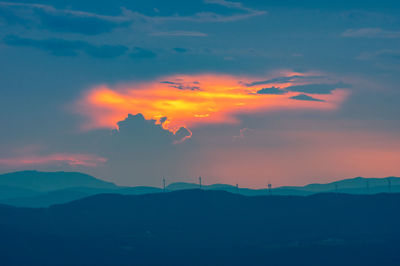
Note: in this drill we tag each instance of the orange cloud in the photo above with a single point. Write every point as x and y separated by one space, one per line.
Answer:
193 100
67 158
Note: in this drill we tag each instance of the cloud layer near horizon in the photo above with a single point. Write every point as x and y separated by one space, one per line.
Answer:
70 159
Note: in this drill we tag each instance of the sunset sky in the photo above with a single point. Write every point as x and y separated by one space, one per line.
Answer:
250 92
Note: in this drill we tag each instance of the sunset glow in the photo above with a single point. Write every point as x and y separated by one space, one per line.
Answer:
192 100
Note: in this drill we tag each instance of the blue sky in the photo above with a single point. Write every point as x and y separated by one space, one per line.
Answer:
328 72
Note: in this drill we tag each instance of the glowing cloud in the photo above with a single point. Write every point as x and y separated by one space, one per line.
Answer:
66 158
193 100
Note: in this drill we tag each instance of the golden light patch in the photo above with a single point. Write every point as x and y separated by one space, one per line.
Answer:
193 100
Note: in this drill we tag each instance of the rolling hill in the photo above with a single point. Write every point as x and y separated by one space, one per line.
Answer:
47 181
43 189
199 227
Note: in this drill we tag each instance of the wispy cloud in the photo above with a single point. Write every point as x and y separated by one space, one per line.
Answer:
371 33
316 88
204 17
76 21
385 54
235 5
179 33
62 20
200 17
180 50
63 47
70 159
291 78
243 133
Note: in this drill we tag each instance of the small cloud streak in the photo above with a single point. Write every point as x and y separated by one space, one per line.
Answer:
217 99
243 133
70 159
305 97
236 5
61 47
180 50
371 33
179 33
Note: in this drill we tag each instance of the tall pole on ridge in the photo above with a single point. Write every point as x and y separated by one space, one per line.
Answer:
163 184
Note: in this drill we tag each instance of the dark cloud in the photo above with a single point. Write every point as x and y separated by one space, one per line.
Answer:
182 134
193 86
304 97
316 88
163 119
60 20
63 47
282 80
180 50
272 90
274 80
136 129
141 150
141 53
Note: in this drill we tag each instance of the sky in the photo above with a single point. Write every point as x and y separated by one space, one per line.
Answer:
248 93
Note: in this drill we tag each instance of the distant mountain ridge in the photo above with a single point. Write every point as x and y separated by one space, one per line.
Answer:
46 181
42 189
357 185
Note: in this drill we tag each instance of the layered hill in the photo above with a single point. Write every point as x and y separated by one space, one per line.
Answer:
46 181
198 227
42 189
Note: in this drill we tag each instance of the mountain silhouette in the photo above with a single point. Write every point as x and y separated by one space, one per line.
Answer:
13 192
45 199
43 189
205 227
357 185
46 181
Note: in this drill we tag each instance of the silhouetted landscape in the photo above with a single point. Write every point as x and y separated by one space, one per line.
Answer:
201 132
197 227
43 189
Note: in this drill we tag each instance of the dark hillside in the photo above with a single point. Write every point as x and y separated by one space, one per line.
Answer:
198 227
